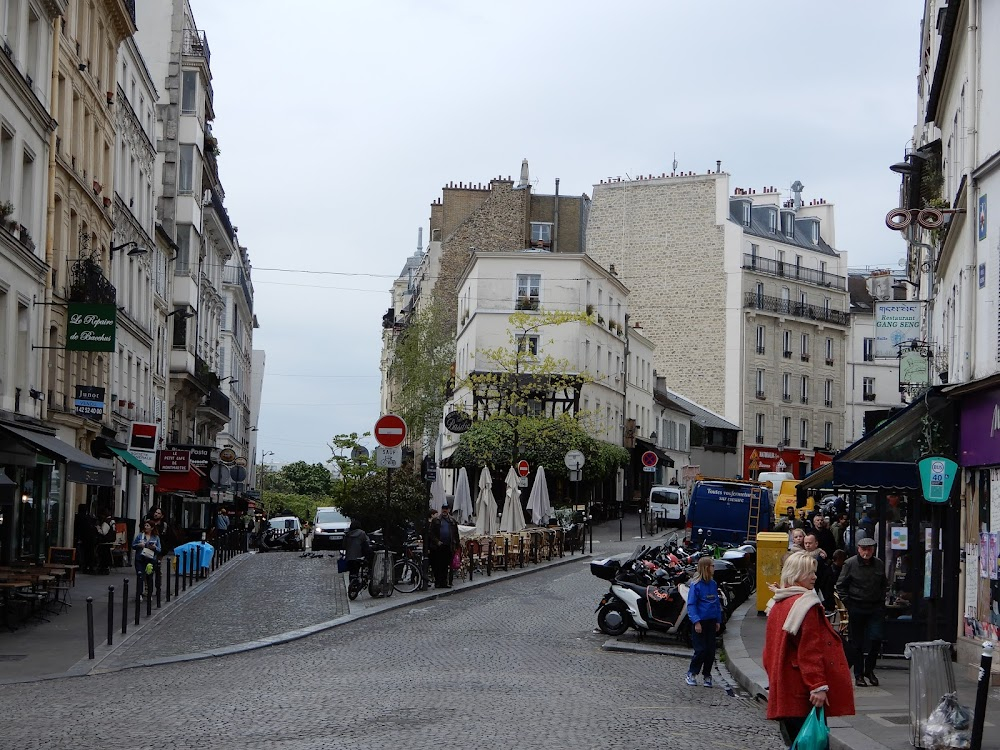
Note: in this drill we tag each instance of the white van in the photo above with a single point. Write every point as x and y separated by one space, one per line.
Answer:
667 505
773 479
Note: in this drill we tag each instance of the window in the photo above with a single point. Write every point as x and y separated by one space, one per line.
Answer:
786 387
761 339
868 389
829 351
789 225
804 347
760 384
760 428
798 265
185 174
189 92
528 290
786 430
6 166
804 433
828 393
746 213
869 350
828 435
753 255
805 389
803 299
786 302
682 437
786 344
760 295
541 234
772 220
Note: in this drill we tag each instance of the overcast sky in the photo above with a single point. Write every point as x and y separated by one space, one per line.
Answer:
339 122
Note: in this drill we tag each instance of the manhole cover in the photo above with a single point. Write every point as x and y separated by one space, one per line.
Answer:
13 657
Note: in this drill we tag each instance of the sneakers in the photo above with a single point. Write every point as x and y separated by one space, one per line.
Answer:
872 679
690 680
860 682
707 681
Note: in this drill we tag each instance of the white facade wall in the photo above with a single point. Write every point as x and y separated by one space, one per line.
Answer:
673 436
257 359
884 373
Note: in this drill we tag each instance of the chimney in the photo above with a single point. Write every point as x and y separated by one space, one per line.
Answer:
523 181
555 220
718 166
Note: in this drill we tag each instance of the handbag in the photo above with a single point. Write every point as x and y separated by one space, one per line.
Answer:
342 566
147 552
456 560
814 734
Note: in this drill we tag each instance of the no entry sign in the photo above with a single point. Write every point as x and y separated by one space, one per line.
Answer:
390 431
522 468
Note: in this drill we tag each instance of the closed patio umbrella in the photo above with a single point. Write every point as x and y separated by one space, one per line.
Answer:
512 518
486 506
437 493
538 501
463 498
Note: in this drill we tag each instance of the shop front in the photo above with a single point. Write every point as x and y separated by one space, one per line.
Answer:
757 459
979 457
918 541
39 465
184 490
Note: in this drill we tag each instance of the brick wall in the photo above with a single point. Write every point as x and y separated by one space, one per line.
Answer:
670 256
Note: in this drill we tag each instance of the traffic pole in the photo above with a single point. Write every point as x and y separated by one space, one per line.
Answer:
982 693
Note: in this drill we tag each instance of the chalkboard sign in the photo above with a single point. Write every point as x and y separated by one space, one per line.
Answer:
62 555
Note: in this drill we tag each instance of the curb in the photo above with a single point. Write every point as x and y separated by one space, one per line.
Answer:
299 633
643 648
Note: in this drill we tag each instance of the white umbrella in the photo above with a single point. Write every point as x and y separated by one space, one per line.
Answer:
538 501
463 497
486 506
512 518
437 493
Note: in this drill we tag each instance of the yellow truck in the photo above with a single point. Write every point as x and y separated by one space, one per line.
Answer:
786 498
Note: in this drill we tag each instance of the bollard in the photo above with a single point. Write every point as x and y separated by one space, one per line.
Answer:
520 552
182 569
138 597
169 566
124 606
148 585
489 557
90 627
506 553
982 693
111 615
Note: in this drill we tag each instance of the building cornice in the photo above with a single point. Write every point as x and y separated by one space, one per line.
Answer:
54 8
38 110
121 18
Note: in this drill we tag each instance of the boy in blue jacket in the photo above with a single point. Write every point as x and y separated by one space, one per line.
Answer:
705 614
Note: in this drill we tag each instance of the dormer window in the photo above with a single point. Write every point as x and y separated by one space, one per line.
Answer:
815 233
789 224
541 234
772 220
746 213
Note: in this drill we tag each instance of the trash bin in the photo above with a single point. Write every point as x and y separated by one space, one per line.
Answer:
771 547
931 676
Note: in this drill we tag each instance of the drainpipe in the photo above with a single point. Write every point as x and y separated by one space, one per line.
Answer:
967 365
555 227
50 236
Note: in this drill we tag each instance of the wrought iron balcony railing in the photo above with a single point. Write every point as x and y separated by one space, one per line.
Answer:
89 284
784 270
196 43
799 310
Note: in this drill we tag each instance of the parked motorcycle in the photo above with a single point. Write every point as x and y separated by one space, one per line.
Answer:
279 539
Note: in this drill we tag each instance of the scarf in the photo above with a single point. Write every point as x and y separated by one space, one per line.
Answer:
808 598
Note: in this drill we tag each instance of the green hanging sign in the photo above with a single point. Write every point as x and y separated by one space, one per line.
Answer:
91 327
937 474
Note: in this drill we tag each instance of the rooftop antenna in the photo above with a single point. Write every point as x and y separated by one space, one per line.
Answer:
674 166
797 188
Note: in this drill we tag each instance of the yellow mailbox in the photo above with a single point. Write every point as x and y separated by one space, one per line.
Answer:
771 547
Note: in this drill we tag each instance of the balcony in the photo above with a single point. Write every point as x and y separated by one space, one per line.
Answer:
782 270
89 284
196 43
759 439
803 443
868 396
805 399
218 402
786 397
760 349
828 403
236 275
805 357
761 395
786 354
222 213
829 362
797 309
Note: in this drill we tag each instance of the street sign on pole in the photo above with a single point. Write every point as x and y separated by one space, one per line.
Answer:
574 475
574 460
522 481
388 458
359 452
522 468
649 459
390 431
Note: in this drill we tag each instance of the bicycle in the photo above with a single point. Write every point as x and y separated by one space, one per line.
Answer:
406 572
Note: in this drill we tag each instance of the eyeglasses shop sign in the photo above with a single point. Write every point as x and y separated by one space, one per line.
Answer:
91 328
896 323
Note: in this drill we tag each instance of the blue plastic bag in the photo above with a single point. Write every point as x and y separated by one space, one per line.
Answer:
814 734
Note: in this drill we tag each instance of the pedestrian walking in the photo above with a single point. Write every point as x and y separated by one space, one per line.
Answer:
705 613
147 547
862 587
802 656
825 580
825 537
443 538
356 548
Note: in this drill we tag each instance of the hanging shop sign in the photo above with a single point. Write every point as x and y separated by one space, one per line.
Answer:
91 327
173 461
89 402
142 441
201 455
937 474
896 323
457 421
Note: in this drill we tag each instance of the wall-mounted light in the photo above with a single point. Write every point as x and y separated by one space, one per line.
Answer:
35 394
81 66
136 248
181 314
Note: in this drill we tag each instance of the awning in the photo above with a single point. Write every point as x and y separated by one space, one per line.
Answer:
5 481
82 467
148 475
191 481
662 458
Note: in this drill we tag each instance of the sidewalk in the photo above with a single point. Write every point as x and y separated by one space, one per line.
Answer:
882 719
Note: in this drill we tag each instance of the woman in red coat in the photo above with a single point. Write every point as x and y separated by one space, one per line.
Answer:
803 655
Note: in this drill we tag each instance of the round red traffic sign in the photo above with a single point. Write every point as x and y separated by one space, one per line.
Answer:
649 458
390 431
522 468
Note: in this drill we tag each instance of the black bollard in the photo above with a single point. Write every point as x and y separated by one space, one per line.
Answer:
111 615
125 606
506 554
168 579
182 571
148 585
90 627
982 693
138 597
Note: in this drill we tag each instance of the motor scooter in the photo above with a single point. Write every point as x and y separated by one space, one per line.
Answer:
278 539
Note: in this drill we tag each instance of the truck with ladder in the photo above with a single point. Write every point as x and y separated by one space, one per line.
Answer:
728 510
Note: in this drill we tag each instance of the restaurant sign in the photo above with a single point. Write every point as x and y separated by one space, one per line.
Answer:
89 402
91 327
173 460
201 455
979 429
896 323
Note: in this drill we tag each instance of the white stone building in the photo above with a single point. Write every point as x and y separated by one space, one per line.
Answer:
236 360
257 359
745 300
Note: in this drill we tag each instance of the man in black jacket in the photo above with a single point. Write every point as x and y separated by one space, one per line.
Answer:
443 543
862 586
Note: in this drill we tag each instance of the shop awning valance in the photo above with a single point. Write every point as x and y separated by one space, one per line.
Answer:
83 467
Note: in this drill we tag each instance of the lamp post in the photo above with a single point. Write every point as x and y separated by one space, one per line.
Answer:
263 478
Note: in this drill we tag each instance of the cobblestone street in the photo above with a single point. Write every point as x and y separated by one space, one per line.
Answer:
512 665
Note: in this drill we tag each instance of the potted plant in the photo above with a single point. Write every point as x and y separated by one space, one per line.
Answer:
612 324
590 311
98 187
107 202
600 319
26 238
621 331
6 211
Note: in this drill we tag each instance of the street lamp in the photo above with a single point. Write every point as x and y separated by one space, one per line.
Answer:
136 248
263 477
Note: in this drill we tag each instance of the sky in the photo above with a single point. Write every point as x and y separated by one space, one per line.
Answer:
339 122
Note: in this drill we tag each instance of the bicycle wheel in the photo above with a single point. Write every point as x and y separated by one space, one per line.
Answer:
405 577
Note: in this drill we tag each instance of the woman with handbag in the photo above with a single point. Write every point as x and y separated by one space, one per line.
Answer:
803 655
147 548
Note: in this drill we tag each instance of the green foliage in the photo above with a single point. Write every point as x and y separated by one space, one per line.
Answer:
304 479
420 369
363 500
303 506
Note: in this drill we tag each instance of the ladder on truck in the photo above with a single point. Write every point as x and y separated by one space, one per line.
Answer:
753 516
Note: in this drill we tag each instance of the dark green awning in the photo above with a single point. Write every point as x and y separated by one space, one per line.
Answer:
148 475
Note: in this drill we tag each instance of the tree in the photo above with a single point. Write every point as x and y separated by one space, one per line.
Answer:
304 479
421 368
